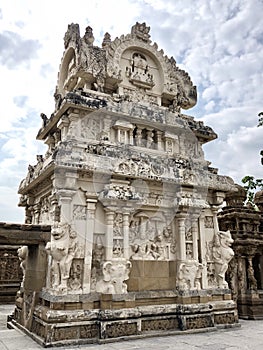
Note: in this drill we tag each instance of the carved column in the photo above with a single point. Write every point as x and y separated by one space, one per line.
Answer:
65 199
126 235
55 212
138 137
195 239
215 211
203 249
182 144
109 233
181 237
36 209
63 126
149 138
73 123
159 140
118 135
241 277
89 238
130 136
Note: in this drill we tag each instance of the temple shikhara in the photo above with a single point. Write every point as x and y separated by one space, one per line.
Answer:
130 201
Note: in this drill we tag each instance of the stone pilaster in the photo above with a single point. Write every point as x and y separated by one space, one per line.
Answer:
36 210
63 127
89 238
215 211
138 137
65 201
159 140
126 235
203 249
109 233
195 239
73 124
181 238
149 138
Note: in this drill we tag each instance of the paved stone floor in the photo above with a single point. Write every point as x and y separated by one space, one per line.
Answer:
248 336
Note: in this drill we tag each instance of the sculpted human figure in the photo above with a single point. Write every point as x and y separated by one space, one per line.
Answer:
222 253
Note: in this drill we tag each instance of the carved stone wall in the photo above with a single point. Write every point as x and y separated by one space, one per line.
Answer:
10 273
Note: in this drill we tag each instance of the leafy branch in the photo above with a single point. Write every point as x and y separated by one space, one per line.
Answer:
260 119
251 186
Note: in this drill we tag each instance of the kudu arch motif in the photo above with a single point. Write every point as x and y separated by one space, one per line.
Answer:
124 184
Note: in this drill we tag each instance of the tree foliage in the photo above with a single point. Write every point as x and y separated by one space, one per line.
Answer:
252 185
260 119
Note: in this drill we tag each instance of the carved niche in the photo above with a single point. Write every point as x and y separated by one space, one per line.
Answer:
151 238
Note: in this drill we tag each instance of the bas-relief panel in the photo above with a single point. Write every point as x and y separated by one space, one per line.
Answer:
151 238
140 70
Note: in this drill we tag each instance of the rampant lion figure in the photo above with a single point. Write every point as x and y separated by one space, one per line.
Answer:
222 254
62 249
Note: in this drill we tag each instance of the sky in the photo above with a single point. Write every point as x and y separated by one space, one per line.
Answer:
218 42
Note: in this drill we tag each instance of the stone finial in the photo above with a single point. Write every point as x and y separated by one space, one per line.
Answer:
141 31
89 37
106 40
72 34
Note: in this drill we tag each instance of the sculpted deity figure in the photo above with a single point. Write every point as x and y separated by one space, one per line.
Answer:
222 253
62 249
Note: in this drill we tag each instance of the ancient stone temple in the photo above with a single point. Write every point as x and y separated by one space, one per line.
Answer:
135 247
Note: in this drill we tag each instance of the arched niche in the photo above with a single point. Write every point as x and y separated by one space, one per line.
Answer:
141 69
66 71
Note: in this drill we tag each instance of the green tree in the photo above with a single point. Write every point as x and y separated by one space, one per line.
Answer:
252 185
260 119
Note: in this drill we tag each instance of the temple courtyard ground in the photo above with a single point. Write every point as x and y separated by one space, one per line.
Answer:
248 336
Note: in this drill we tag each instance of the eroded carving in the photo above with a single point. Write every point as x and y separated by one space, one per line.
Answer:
189 275
62 249
22 253
222 253
114 275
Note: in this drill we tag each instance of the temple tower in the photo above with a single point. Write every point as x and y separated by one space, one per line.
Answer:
131 200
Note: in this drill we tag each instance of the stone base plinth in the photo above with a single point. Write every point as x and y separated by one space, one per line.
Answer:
55 322
250 306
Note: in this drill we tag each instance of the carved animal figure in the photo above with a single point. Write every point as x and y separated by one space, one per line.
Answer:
114 275
62 249
222 254
188 276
